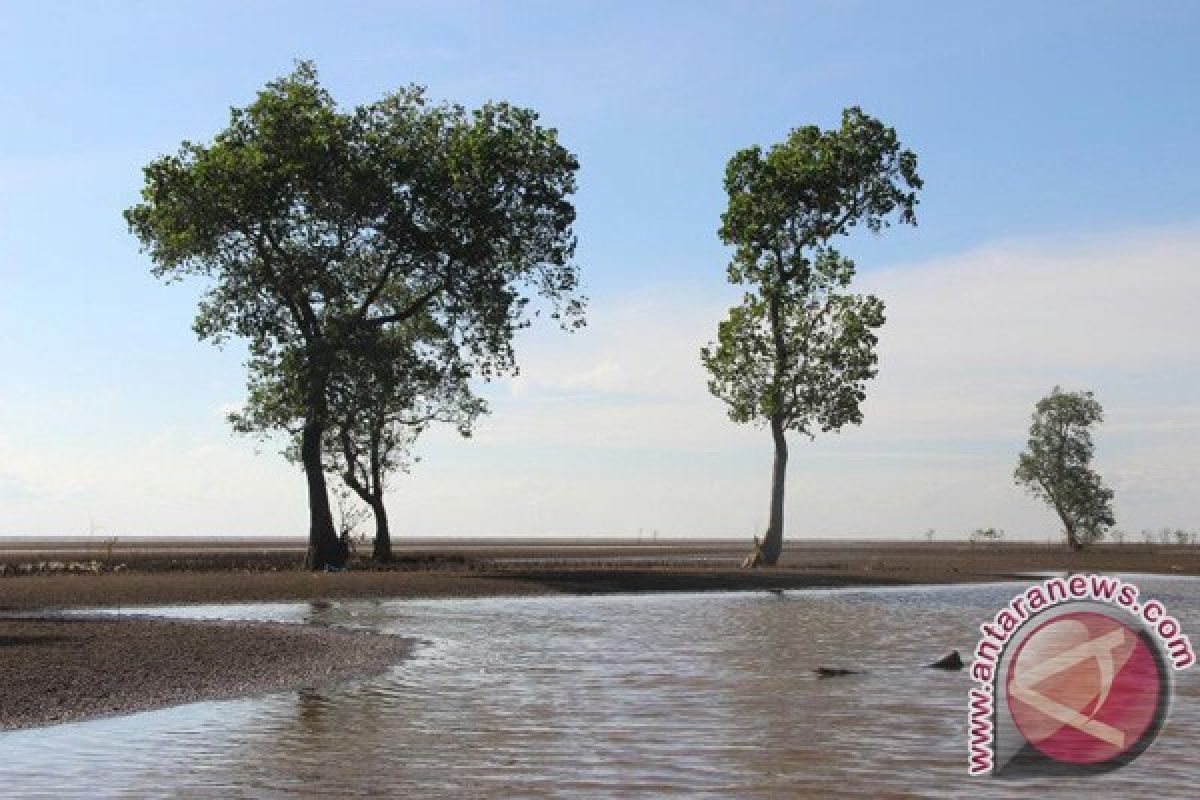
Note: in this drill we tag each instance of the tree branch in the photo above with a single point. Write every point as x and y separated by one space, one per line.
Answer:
299 306
377 289
412 309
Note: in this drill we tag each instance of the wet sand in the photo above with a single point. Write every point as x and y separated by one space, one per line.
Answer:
54 669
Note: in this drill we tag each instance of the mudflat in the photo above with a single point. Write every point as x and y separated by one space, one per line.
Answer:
63 669
161 572
55 668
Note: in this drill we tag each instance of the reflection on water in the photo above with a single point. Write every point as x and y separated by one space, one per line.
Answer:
696 695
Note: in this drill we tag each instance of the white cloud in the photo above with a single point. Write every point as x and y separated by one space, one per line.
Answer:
200 482
1121 302
611 430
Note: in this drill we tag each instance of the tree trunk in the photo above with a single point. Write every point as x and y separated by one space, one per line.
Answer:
1073 540
382 552
324 547
767 552
771 547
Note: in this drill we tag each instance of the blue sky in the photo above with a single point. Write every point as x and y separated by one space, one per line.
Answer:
1057 142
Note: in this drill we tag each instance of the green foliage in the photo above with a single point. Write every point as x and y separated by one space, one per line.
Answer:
382 394
1056 465
799 348
314 224
373 258
802 354
808 189
386 396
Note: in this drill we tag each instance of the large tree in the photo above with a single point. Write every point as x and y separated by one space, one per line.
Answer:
317 227
1056 466
797 351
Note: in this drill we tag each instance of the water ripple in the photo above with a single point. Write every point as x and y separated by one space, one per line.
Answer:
695 695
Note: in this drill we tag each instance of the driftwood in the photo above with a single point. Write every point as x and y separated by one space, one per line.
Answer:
755 558
834 672
950 662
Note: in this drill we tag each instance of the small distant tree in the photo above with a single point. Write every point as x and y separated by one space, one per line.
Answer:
986 535
350 514
797 352
1056 465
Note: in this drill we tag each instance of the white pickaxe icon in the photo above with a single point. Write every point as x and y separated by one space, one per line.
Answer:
1101 649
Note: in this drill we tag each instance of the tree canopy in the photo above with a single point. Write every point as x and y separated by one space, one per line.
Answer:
798 348
811 376
320 230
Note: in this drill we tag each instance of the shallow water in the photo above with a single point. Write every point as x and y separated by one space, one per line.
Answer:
668 695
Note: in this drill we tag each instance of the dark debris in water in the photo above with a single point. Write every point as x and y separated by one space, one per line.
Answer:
834 672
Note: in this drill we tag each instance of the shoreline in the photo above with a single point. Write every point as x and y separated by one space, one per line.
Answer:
131 588
57 668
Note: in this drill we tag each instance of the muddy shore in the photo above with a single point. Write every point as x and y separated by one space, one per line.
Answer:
148 574
58 669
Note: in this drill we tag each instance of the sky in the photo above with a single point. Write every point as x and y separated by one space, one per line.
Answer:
1058 244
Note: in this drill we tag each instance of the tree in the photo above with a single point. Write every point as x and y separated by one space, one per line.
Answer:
986 535
1056 465
317 228
796 353
382 395
386 403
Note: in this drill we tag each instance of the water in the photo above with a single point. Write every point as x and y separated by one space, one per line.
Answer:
681 695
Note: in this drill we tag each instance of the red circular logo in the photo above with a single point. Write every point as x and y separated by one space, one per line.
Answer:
1084 688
